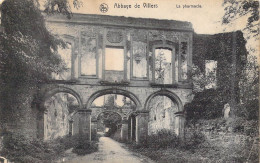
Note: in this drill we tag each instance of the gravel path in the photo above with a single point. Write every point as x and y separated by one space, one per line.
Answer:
110 151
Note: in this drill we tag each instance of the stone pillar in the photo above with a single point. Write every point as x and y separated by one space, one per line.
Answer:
71 127
124 130
142 125
131 131
180 124
40 124
85 122
93 127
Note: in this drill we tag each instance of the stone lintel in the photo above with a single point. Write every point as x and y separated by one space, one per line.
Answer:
85 111
180 113
143 112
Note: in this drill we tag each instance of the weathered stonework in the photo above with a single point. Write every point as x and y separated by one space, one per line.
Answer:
56 117
162 115
91 35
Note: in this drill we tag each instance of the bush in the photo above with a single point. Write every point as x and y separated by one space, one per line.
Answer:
193 140
243 126
205 105
18 148
162 139
84 146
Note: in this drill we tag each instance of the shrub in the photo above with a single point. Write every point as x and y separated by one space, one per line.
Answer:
243 126
205 105
193 140
162 139
84 146
18 148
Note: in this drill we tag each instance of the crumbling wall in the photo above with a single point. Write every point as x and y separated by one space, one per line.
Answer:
161 115
56 119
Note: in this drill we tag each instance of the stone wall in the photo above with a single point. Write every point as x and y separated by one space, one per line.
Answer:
56 118
161 115
89 43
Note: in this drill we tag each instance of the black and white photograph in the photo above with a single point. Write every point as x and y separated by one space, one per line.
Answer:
129 81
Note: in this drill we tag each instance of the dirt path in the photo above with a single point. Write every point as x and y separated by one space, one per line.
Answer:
111 151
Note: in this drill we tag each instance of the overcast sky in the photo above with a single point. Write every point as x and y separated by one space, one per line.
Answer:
205 20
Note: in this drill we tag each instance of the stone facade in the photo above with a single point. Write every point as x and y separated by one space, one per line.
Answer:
138 58
142 59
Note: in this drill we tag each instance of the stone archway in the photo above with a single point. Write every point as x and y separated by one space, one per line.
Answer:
125 115
162 117
166 93
44 111
107 119
64 90
128 94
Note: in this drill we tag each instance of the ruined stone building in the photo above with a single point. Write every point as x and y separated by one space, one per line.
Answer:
148 61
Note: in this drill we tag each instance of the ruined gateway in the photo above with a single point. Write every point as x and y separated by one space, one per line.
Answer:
141 59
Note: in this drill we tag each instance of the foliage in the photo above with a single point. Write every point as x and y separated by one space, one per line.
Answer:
249 90
111 120
18 148
28 55
164 139
167 147
235 9
61 6
197 149
29 51
160 65
83 146
21 149
110 101
207 104
116 136
219 47
242 126
193 140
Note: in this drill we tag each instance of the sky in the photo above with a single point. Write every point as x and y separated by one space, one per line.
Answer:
205 20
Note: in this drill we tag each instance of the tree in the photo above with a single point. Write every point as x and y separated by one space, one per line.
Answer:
236 9
249 81
160 63
28 54
61 6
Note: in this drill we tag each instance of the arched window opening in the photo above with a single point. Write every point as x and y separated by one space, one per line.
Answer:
109 123
110 114
58 115
161 114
